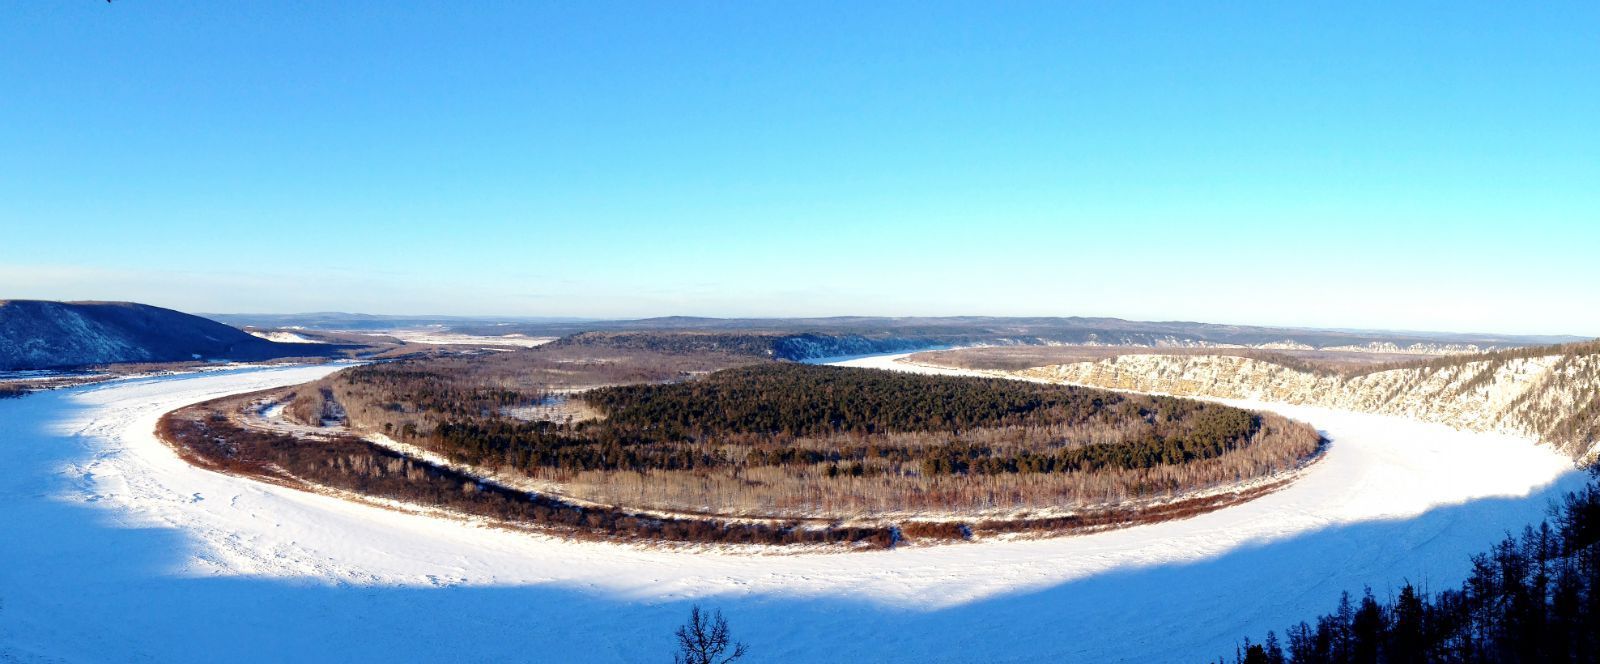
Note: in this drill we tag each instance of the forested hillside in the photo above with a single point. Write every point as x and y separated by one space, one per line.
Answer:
767 345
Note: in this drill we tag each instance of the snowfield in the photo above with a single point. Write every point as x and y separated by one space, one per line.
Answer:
115 550
453 339
285 337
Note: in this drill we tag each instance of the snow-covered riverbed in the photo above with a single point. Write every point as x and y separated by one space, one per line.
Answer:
115 550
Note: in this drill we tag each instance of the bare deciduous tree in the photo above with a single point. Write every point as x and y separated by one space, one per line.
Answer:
705 640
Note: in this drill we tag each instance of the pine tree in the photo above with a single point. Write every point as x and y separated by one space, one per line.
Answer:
1274 651
1405 638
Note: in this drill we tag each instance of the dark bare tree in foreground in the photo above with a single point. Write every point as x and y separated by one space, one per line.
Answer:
704 640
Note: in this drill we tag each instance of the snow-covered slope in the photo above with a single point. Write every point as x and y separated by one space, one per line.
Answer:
37 334
116 550
1555 398
284 337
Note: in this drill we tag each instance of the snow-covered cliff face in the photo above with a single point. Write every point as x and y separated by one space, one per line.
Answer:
1554 398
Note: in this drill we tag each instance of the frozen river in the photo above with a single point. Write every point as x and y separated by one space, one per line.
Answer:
115 550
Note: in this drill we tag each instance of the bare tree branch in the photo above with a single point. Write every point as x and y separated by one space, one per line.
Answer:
706 640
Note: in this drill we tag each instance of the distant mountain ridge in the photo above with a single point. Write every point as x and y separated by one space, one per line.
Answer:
806 339
343 321
39 334
895 332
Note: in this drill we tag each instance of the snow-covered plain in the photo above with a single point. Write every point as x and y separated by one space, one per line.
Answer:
283 337
453 339
115 550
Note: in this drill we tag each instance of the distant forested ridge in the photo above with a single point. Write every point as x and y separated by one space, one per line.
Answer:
987 330
774 345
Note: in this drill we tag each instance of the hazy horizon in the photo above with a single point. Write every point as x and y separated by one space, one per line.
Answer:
580 319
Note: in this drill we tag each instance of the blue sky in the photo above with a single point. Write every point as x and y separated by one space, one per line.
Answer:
1425 166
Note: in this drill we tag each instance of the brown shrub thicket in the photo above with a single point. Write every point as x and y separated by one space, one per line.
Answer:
206 435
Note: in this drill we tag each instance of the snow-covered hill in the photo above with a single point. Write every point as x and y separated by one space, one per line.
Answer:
1553 398
37 334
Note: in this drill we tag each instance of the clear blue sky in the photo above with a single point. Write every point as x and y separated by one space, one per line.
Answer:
1426 166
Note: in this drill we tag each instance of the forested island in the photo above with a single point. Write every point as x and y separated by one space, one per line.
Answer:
607 439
